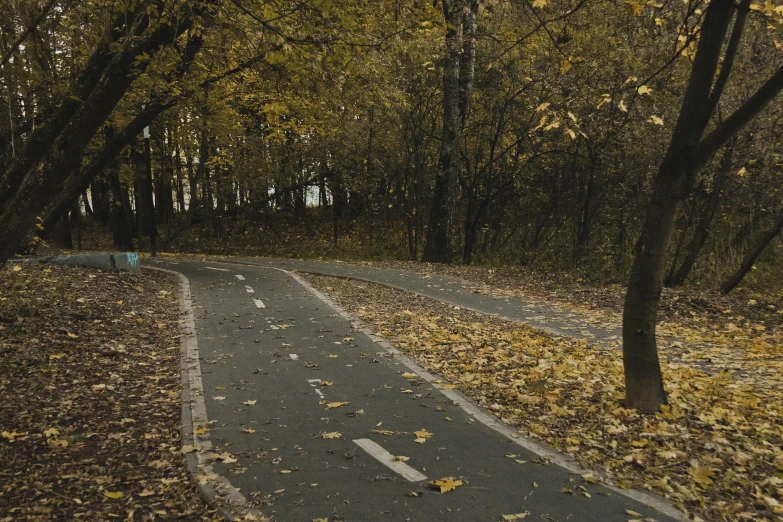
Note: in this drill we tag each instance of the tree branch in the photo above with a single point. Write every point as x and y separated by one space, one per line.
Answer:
755 104
27 32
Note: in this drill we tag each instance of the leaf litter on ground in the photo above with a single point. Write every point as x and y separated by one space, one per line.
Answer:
715 451
90 409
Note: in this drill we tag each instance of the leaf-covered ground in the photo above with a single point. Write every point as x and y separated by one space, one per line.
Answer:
744 318
90 397
716 451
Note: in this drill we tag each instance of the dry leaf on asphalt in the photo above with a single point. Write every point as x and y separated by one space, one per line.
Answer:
331 405
445 484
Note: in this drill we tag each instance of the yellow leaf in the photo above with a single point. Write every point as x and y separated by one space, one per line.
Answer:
400 458
336 405
384 432
633 513
516 516
423 434
445 484
248 430
701 475
409 375
17 268
113 494
332 435
249 403
589 478
332 356
656 120
644 90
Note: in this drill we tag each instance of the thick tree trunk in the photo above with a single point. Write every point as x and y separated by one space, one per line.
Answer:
120 210
644 389
753 254
56 148
439 244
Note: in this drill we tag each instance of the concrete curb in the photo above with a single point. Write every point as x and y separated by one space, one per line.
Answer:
482 415
128 261
218 492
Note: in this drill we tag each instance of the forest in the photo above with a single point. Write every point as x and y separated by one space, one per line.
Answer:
634 141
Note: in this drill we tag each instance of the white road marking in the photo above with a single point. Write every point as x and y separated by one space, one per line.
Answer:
273 327
293 356
387 459
259 303
240 277
314 382
482 415
321 395
249 289
218 269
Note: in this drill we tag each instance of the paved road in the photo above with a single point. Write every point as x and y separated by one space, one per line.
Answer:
274 358
536 313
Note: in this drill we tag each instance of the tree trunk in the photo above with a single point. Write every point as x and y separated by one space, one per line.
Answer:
644 389
439 243
55 149
753 254
120 210
147 200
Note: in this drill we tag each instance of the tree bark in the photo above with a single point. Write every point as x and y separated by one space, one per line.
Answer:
55 149
644 389
439 243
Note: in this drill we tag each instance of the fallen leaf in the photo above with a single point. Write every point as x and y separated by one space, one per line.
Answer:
113 494
249 403
331 405
384 432
445 484
332 435
516 516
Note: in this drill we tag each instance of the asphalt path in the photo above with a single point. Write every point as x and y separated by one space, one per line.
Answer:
537 313
315 411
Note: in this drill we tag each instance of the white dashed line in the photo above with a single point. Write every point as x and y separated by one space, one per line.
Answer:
321 395
259 303
249 289
387 459
218 269
240 277
293 356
